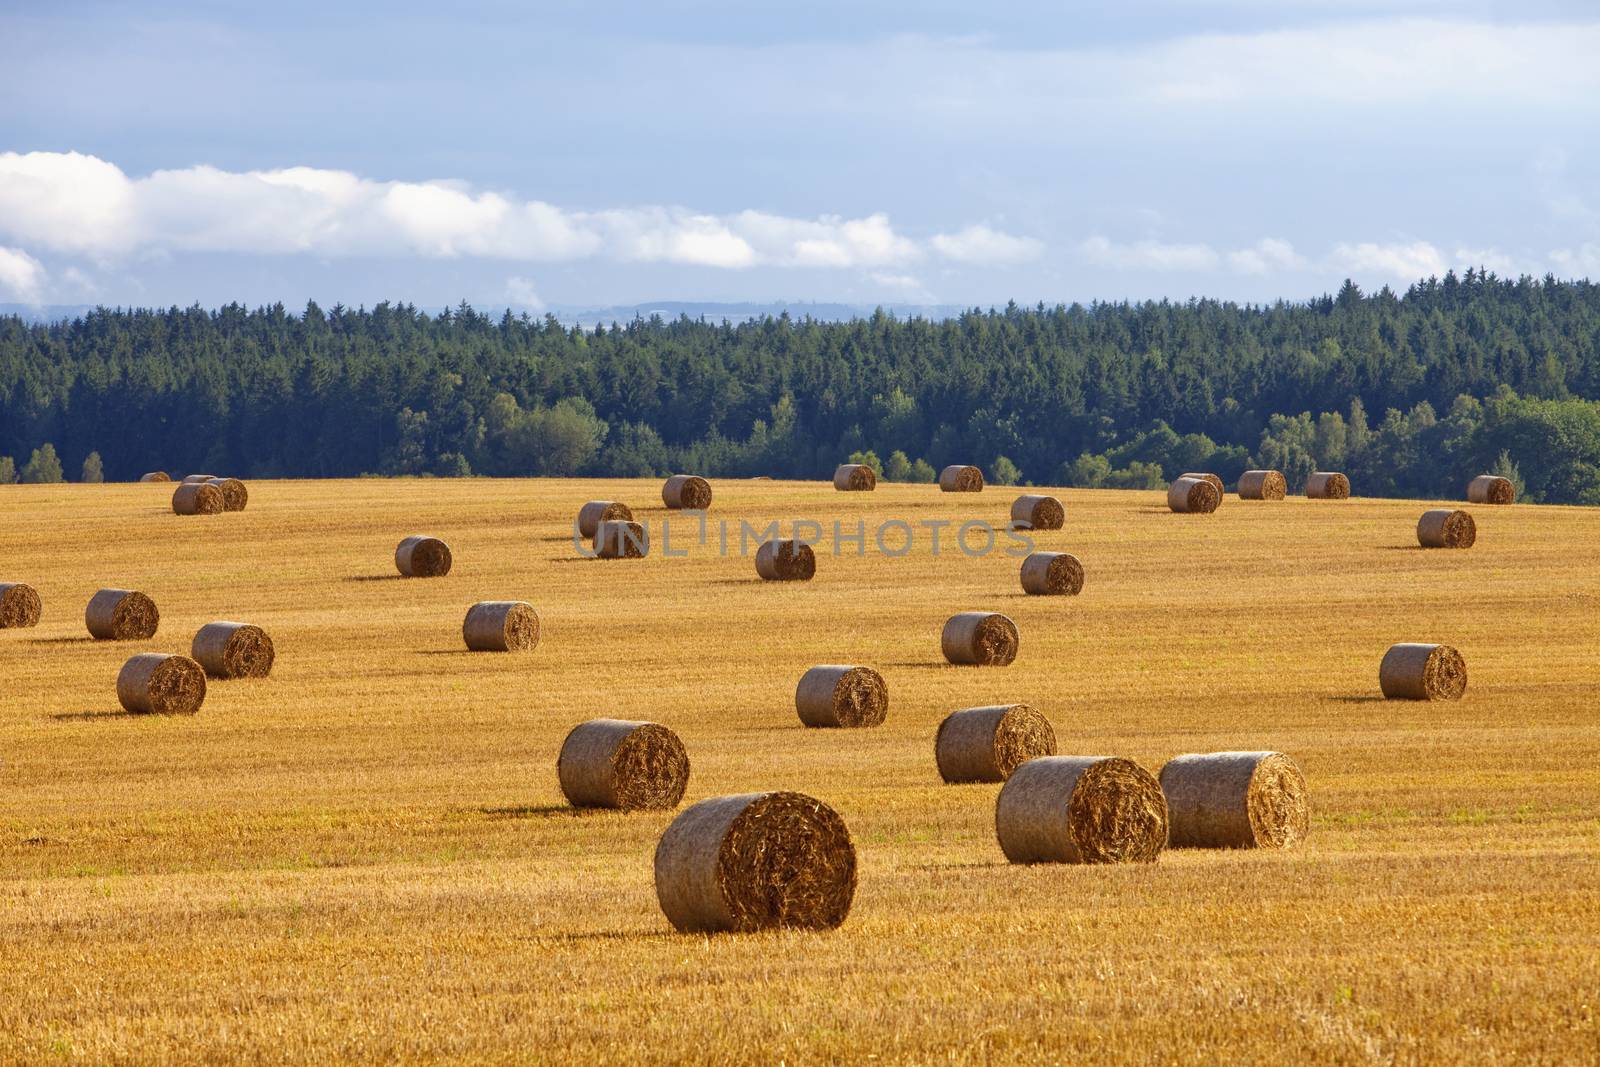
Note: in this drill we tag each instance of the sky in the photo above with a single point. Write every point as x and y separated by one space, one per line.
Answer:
564 154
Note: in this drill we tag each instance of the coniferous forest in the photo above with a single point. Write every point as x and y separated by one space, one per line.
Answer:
1410 394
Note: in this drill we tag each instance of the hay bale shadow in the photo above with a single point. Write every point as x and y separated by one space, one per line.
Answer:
1359 700
534 811
62 641
90 716
374 577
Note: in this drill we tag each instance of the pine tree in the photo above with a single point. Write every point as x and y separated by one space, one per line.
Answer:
43 466
8 470
1505 467
93 470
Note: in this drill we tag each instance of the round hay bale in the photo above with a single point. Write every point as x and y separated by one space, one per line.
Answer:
1193 496
1216 483
756 861
234 493
1328 485
836 695
786 560
156 476
631 766
195 479
1422 672
1235 800
1488 489
1052 574
621 539
1446 528
419 556
501 626
19 606
121 615
1263 485
980 638
233 650
592 514
156 683
988 744
1039 512
686 491
198 498
854 478
960 479
1081 809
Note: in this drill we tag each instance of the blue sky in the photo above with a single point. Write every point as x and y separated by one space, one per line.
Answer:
568 154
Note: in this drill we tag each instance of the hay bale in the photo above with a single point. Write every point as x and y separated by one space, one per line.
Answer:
1193 496
592 514
1052 574
631 766
1422 672
1446 528
980 638
234 494
960 479
198 498
1263 485
1328 485
835 695
620 539
988 744
854 478
1081 809
419 556
1216 482
19 606
1039 512
156 683
786 560
686 491
1488 489
233 650
121 615
501 626
156 476
756 861
1235 800
196 479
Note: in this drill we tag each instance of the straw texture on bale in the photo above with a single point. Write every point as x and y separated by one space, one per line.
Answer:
1052 574
1039 512
422 557
1081 809
156 683
837 695
233 650
980 638
196 479
121 615
1488 489
234 494
198 498
1216 483
19 606
501 626
1263 485
156 476
621 539
1235 800
631 766
786 560
1193 496
854 478
988 744
1446 528
756 861
686 491
961 479
1328 485
592 514
1422 672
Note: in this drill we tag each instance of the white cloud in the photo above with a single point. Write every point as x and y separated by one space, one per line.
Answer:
1148 255
21 276
1583 261
1269 254
521 293
1406 261
983 245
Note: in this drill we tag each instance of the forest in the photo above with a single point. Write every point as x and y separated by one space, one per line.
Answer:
1409 393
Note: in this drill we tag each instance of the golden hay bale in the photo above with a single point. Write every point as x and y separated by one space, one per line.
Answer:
1263 485
1422 672
19 606
198 498
156 476
1488 489
980 638
612 763
1235 800
1193 495
1446 528
233 650
1052 574
1328 485
686 491
786 560
756 861
620 539
501 626
988 744
1081 809
234 494
836 695
959 479
1039 512
592 514
854 478
157 683
419 556
195 479
121 615
1216 482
